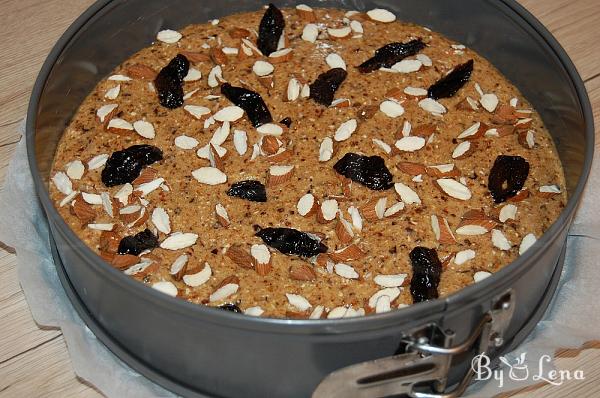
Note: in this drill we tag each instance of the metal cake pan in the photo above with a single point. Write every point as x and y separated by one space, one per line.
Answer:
199 351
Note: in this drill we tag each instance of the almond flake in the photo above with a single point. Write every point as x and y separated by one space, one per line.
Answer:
186 96
489 102
209 176
432 106
192 75
262 68
105 110
62 183
197 111
119 125
552 189
169 36
91 198
75 169
499 240
345 271
356 218
382 305
101 227
471 131
345 130
339 33
279 174
394 210
224 292
293 89
178 267
222 216
317 312
97 161
179 240
254 311
344 231
391 108
186 142
441 230
481 275
508 212
144 128
230 51
335 61
113 93
526 243
307 205
123 193
425 60
220 135
306 13
461 149
261 254
326 150
407 195
407 66
298 302
310 33
385 147
337 312
356 27
415 91
148 187
328 210
391 292
199 278
410 143
161 220
280 56
215 76
119 78
463 256
454 188
305 92
270 129
381 15
390 280
229 114
471 230
165 287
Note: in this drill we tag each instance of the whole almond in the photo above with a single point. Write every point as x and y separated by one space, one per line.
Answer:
140 71
227 280
148 174
122 261
270 145
195 57
239 33
424 130
352 252
302 272
83 211
411 168
240 257
109 242
218 56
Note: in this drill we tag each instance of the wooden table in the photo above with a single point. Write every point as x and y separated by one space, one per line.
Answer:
35 362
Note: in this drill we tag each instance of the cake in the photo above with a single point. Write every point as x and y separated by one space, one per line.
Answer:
307 163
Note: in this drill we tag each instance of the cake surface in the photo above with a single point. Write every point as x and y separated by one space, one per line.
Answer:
307 163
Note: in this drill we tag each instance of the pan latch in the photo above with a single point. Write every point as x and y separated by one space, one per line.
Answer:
421 370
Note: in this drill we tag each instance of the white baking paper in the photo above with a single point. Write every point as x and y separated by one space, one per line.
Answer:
562 326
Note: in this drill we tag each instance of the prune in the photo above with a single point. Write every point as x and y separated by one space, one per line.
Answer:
369 171
230 307
390 54
249 101
507 177
292 241
251 190
286 122
126 165
427 270
448 85
137 243
169 82
324 88
270 29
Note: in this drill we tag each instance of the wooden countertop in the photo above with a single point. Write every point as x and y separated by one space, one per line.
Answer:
35 362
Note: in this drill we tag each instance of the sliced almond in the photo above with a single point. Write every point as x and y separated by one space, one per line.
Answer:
345 271
147 175
340 103
239 33
119 78
463 150
280 56
326 150
410 143
179 266
442 170
454 188
441 230
327 211
526 243
122 261
240 257
406 193
508 212
209 176
262 259
218 56
357 27
547 191
197 111
394 210
310 33
179 240
415 91
407 66
424 130
229 114
221 214
113 93
279 174
391 292
262 68
481 275
224 292
500 241
140 71
306 13
307 205
144 128
161 220
527 139
468 104
489 102
130 214
382 145
520 196
381 15
270 129
349 253
302 272
240 141
335 61
345 130
432 106
169 36
475 222
199 278
293 89
344 231
193 75
463 256
215 77
119 126
298 302
339 33
374 209
390 280
97 161
476 130
391 108
186 142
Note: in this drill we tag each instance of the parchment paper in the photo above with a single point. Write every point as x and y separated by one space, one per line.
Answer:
570 321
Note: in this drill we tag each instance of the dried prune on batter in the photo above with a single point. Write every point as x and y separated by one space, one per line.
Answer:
270 30
251 190
230 307
449 85
427 269
251 102
323 89
292 241
137 243
369 171
126 165
388 55
169 82
507 177
286 122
